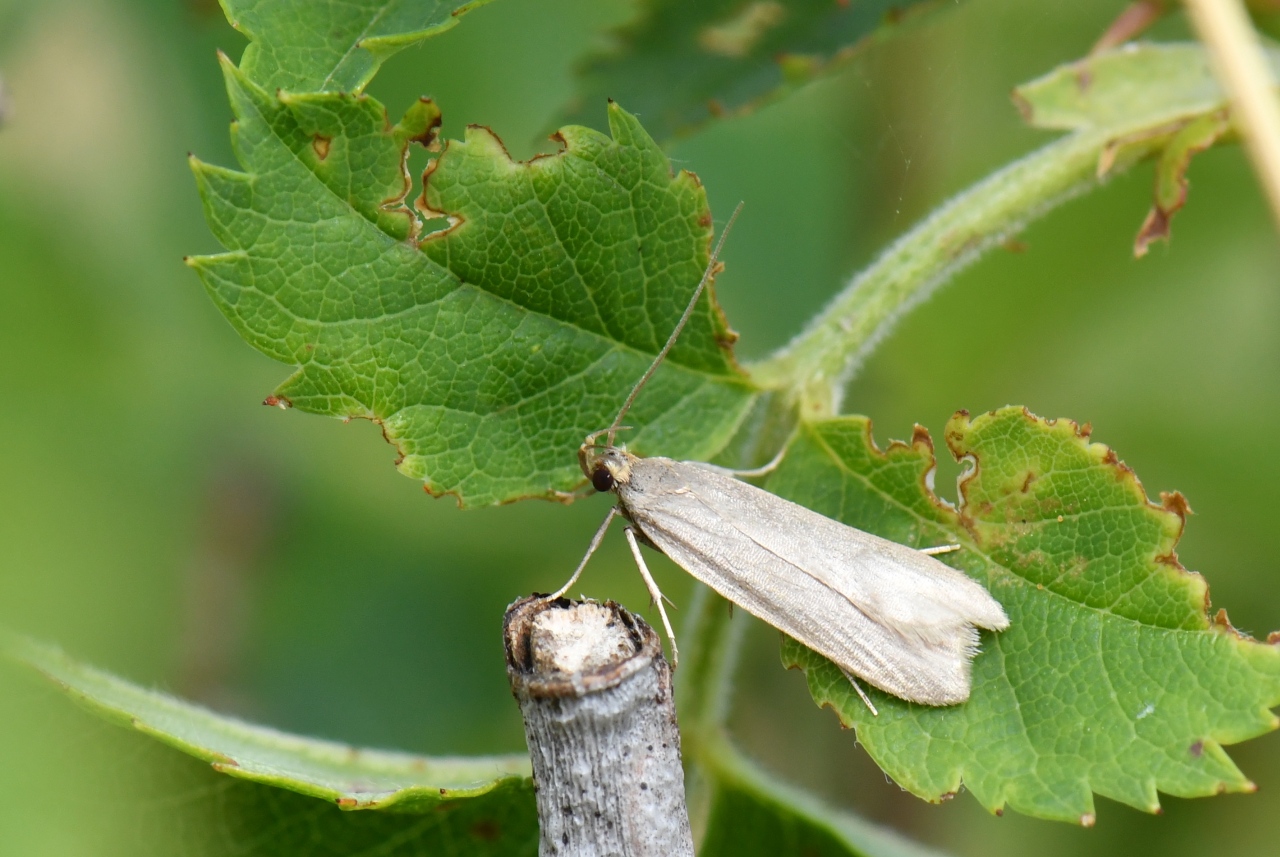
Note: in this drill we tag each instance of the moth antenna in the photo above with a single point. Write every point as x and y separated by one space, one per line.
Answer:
675 334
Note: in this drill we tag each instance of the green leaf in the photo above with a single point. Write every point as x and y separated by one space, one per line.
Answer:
333 45
1142 86
251 820
350 777
752 813
437 806
491 348
679 65
133 795
1110 679
1161 93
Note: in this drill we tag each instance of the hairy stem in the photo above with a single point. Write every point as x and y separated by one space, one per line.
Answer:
820 361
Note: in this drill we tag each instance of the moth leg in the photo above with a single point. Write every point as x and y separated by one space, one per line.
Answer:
654 593
766 469
853 681
591 548
934 551
748 474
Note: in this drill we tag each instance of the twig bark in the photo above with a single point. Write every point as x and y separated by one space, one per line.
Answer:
595 694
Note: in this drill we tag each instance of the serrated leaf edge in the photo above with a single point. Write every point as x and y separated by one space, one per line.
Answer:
1173 503
620 122
379 47
1172 506
621 43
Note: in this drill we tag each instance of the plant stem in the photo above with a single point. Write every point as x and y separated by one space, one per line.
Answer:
1241 67
822 359
704 682
704 687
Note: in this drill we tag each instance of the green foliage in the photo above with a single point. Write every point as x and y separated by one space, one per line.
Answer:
493 324
169 804
1139 85
252 820
752 813
1163 96
1122 106
491 349
1171 174
349 777
474 805
332 45
679 65
1110 679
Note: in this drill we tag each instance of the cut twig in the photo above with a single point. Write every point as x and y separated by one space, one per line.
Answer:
595 694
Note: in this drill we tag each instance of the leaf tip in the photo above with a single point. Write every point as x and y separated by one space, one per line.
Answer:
484 136
435 492
1154 228
422 122
275 401
956 427
921 440
1173 501
1222 624
625 128
1024 106
226 63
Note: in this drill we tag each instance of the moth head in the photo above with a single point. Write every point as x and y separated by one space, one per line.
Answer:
606 466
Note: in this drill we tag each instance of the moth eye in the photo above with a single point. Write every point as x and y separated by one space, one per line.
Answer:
602 479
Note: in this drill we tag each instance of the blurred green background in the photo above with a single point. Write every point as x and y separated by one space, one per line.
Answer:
157 521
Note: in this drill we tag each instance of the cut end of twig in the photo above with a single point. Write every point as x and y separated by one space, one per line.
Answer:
570 648
583 638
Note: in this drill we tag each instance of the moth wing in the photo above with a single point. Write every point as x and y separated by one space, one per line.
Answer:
911 590
873 612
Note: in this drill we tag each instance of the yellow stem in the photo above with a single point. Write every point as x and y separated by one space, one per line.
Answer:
1241 67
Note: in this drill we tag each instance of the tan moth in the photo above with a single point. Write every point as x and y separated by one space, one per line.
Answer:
889 614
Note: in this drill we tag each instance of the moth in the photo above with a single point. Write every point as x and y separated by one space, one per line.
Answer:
883 612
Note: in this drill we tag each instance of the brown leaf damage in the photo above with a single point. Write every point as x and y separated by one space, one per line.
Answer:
1171 175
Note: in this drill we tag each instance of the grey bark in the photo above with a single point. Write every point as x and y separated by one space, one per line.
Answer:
595 694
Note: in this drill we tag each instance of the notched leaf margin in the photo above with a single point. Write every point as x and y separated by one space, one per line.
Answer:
1173 508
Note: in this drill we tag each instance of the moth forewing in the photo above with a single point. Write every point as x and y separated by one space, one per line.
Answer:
903 621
